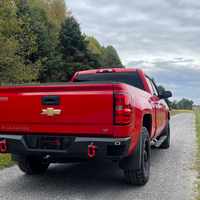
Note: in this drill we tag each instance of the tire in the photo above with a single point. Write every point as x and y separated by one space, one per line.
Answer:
141 176
32 165
166 132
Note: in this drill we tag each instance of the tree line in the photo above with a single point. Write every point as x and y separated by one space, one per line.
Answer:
183 104
41 41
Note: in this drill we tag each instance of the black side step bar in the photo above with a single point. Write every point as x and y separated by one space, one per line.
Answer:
157 143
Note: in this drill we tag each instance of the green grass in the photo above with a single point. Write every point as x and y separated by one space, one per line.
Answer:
174 112
5 161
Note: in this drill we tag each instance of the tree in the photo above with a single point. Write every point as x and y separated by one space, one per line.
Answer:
196 107
108 55
73 46
112 59
103 51
16 43
174 104
185 104
46 31
56 9
93 45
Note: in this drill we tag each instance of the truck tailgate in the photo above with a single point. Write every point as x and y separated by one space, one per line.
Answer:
84 108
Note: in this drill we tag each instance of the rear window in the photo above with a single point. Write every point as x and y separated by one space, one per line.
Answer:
130 78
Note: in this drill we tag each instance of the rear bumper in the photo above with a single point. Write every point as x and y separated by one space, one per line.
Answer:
66 147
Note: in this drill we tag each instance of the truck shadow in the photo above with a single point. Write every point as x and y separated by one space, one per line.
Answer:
89 179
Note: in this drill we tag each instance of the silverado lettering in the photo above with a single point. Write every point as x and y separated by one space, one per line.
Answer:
113 114
17 128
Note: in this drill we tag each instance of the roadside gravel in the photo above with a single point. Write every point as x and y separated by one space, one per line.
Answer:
170 174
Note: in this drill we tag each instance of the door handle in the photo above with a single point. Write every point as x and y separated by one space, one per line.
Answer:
50 100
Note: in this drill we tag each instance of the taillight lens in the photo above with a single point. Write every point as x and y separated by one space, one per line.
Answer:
123 109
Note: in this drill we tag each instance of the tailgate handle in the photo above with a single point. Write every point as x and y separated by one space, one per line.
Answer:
50 100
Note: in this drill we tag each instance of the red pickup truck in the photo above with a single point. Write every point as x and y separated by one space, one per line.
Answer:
114 114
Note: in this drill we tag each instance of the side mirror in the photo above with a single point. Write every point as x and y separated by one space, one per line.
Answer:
166 94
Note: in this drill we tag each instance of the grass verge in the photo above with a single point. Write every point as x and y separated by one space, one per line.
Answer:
5 161
174 112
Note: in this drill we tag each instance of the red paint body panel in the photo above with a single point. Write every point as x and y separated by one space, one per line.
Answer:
85 109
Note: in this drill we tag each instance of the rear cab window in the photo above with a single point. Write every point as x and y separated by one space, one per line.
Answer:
130 78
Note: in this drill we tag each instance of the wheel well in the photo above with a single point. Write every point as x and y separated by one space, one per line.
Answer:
168 115
147 122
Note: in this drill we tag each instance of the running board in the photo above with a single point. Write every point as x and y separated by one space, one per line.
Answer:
160 141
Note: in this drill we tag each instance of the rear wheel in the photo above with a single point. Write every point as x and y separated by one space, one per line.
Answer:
32 165
141 176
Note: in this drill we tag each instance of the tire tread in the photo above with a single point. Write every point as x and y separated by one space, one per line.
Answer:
137 177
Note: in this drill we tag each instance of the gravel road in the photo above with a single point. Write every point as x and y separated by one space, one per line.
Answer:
170 176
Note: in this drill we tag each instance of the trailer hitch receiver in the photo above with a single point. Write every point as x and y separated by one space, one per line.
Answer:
91 148
3 145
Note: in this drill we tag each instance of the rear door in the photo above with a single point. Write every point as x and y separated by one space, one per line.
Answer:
155 117
161 107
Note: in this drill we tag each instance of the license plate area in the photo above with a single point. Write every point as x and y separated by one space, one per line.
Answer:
52 143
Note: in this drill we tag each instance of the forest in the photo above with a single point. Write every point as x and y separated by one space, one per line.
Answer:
41 41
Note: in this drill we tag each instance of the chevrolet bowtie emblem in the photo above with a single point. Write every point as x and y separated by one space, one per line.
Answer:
50 112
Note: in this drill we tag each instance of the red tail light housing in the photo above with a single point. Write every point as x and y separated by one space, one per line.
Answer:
123 109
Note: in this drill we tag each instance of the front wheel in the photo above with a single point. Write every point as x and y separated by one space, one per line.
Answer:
141 176
32 165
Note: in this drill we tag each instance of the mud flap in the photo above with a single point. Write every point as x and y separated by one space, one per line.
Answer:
133 162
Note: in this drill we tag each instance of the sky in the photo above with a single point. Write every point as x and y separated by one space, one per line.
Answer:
161 37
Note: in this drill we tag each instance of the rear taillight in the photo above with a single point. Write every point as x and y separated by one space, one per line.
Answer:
123 108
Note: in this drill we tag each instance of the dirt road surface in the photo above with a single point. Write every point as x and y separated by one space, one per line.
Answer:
170 175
